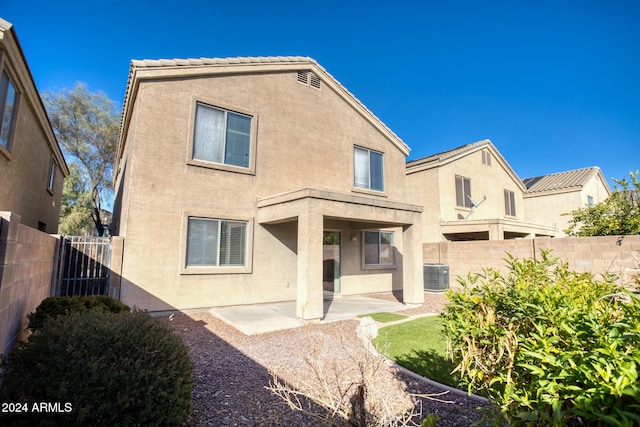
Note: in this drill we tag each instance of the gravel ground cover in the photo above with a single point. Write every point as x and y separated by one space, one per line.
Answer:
233 372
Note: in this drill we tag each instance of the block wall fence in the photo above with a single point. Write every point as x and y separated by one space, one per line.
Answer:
27 259
619 255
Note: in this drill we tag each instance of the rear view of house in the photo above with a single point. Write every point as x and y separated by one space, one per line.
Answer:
249 180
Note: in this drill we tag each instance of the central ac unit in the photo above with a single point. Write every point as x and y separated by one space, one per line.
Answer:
436 277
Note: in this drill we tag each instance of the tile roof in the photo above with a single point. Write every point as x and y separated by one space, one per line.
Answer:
196 62
560 180
445 155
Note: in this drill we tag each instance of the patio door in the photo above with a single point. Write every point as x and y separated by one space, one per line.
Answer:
331 261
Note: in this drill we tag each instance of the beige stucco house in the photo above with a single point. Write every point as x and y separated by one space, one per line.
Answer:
549 198
32 167
249 180
471 193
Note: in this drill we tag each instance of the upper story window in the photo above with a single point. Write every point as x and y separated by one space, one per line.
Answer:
590 201
216 242
8 103
222 136
463 192
509 203
378 248
52 175
368 169
486 157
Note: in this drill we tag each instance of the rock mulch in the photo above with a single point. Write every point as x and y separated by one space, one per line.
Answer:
233 373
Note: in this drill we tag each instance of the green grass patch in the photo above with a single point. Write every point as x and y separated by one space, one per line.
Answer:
385 317
420 346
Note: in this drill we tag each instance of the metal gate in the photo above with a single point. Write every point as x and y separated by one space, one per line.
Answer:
82 266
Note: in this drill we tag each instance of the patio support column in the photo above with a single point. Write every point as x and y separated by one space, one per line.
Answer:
412 279
309 288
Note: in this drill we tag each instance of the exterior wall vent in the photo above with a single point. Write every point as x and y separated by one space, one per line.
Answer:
309 79
436 277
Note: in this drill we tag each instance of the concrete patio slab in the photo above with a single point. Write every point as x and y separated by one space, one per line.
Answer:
262 318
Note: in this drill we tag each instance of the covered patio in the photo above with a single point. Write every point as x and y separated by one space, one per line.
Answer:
317 210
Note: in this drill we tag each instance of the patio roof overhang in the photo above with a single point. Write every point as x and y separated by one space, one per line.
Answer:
310 207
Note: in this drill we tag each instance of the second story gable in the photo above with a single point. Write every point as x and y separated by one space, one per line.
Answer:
470 193
262 125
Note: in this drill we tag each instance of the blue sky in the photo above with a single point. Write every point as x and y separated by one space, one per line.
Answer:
555 85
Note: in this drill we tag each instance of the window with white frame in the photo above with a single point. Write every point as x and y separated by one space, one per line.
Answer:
463 192
216 242
52 175
378 248
222 136
8 102
509 203
590 201
368 169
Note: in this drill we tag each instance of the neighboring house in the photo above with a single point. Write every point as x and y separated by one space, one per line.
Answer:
250 180
550 198
471 193
32 167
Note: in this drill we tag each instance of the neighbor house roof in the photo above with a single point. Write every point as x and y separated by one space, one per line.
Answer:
445 157
572 180
163 68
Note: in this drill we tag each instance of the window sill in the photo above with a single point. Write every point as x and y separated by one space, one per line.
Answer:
195 271
6 152
379 267
221 167
369 192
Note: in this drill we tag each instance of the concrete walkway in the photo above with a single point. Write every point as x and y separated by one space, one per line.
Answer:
262 318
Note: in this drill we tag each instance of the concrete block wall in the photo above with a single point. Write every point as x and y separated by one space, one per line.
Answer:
618 255
26 267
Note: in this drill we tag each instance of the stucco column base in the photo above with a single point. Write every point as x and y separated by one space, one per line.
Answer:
309 305
412 280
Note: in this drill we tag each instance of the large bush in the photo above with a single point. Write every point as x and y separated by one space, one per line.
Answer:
548 345
102 369
54 307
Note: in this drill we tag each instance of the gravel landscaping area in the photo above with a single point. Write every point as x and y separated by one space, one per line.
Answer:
233 372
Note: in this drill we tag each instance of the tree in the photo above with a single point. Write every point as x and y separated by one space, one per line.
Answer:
619 214
75 210
86 125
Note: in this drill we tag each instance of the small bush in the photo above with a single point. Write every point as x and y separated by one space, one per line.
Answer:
108 369
53 307
550 346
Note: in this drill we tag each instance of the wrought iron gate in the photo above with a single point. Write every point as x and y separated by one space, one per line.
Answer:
82 266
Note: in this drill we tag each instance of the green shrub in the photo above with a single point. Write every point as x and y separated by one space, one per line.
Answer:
549 346
109 369
53 307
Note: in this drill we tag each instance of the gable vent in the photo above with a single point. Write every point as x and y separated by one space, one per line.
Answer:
303 77
309 79
314 81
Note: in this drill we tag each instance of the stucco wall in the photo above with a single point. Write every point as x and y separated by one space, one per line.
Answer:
613 254
26 268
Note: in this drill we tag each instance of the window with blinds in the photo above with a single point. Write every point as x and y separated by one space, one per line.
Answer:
463 192
378 248
509 203
368 169
8 102
216 243
221 136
